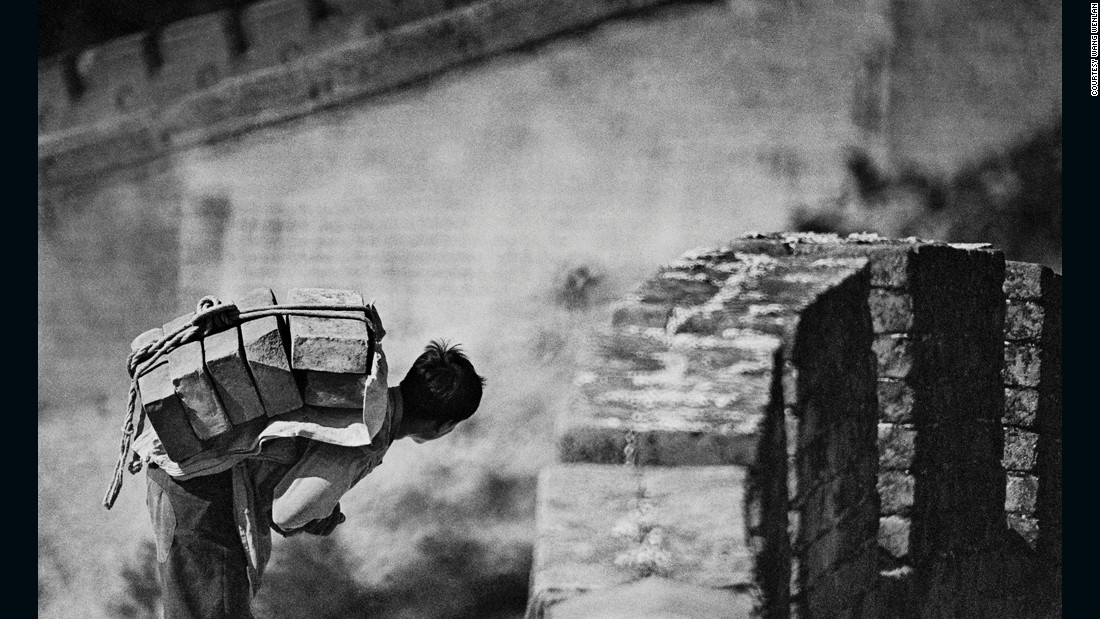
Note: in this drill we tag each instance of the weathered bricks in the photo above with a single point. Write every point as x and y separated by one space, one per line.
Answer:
195 388
163 407
265 349
879 406
226 365
1032 416
602 526
330 355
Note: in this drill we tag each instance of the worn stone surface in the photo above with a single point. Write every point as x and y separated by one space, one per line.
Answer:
1019 450
891 311
896 401
1023 320
602 526
163 407
330 356
195 388
1021 407
893 535
690 400
225 362
652 597
897 446
265 349
1025 280
1022 364
332 389
327 344
1021 493
896 491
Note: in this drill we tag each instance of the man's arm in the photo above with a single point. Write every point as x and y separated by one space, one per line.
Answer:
311 490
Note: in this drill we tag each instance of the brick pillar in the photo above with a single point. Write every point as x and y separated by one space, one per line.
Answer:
832 419
1033 409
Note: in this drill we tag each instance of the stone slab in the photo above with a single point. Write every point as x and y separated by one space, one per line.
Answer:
598 527
328 344
330 355
265 349
163 407
1028 281
225 362
689 400
195 388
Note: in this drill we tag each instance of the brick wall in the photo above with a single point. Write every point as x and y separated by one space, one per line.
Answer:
1033 408
865 403
218 75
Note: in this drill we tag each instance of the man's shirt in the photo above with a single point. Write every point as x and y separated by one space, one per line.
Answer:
292 481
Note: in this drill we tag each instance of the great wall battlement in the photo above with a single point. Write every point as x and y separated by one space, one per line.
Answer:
216 75
931 84
816 427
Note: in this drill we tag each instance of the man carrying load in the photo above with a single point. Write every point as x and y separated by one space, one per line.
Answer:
211 512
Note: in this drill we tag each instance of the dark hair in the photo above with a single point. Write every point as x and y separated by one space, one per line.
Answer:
441 385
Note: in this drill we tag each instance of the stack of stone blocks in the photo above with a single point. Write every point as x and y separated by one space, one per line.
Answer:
1033 409
808 426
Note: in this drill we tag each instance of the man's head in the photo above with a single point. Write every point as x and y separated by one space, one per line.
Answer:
440 390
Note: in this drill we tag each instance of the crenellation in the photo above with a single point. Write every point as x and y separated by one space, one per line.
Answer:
195 54
114 79
277 32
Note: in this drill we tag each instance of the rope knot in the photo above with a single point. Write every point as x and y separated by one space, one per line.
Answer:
212 315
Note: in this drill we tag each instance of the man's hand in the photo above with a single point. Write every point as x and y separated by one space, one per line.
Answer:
323 526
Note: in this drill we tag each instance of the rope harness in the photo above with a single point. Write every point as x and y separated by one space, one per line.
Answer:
211 316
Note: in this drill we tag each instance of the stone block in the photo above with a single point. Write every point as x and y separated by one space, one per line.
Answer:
1026 526
896 355
892 263
602 526
265 349
162 406
1019 450
1027 281
1021 407
896 492
688 400
328 344
891 311
195 388
896 401
225 362
897 446
639 314
1024 320
1022 364
1020 493
332 356
677 288
893 536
